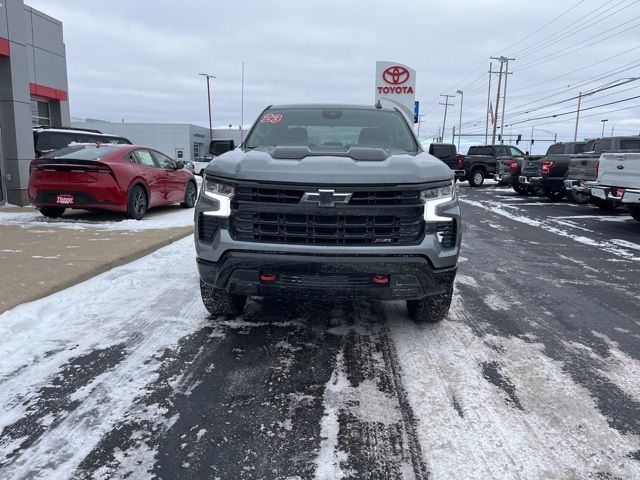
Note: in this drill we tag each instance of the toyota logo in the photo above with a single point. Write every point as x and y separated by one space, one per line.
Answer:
395 75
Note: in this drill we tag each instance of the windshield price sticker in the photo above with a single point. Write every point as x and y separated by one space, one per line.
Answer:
271 118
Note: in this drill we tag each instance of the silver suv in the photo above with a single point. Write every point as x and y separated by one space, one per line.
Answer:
328 200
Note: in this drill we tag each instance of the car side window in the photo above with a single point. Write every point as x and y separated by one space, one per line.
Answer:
555 149
145 158
163 160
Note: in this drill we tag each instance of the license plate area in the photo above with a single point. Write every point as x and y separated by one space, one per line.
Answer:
64 199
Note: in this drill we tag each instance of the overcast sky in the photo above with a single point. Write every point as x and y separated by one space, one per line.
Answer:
140 60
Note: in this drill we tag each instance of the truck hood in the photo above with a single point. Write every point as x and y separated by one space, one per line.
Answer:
328 167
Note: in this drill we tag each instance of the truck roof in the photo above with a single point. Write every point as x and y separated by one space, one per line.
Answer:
330 105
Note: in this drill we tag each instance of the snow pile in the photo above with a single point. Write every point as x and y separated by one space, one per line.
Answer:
156 219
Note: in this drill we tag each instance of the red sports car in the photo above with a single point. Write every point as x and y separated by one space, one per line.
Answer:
121 178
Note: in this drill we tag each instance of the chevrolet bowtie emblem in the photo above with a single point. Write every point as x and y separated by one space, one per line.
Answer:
326 197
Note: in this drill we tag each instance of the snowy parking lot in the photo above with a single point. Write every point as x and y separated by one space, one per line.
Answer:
534 374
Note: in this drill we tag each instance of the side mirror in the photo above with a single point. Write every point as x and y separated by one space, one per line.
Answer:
180 164
218 147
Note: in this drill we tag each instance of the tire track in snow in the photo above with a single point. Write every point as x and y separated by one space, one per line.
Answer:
368 427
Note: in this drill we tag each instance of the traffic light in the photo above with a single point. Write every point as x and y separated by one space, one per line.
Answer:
518 139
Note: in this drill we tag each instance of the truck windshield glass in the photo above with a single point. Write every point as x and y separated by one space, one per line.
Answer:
332 128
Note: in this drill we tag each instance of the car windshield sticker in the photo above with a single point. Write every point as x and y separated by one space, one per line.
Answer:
271 118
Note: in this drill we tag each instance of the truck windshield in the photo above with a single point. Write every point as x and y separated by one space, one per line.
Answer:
332 128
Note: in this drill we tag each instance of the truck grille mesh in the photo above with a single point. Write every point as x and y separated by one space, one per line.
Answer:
275 215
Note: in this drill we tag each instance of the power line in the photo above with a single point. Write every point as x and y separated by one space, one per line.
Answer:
582 46
544 26
573 111
567 30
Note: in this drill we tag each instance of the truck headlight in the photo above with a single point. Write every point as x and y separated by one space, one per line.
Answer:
434 197
222 193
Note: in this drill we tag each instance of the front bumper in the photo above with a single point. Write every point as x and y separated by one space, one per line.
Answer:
630 196
409 277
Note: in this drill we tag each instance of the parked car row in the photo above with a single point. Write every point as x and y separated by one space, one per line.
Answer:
86 169
603 171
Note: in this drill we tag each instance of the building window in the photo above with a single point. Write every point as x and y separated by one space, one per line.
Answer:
40 112
197 150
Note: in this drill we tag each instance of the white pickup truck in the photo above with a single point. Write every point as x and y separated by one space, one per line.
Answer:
619 180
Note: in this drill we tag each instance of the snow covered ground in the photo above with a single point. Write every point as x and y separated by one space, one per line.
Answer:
159 218
533 374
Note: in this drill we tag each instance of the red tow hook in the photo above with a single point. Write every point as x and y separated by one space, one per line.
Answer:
268 277
381 279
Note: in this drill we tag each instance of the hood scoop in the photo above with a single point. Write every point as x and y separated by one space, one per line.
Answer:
355 153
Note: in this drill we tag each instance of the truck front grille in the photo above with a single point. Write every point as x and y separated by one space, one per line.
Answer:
293 196
315 229
373 216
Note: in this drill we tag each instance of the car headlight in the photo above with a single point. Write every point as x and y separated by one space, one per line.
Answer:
434 197
221 193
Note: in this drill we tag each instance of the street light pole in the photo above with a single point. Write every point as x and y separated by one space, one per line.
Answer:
603 124
460 121
208 76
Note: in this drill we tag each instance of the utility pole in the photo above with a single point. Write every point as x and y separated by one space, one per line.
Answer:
453 136
502 61
439 137
612 130
504 96
461 93
486 130
575 133
446 104
208 76
495 123
604 121
531 143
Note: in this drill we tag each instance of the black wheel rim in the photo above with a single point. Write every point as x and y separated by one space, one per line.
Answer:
139 203
191 194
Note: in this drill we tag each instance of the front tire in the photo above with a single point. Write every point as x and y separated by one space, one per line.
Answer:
431 309
635 212
476 178
219 302
137 203
52 212
190 194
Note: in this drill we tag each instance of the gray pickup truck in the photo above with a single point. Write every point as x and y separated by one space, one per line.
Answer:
548 172
583 168
328 201
619 181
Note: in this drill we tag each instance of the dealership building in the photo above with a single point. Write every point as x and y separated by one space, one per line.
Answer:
181 141
33 90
